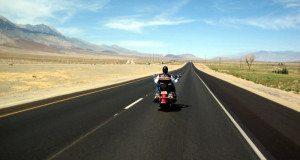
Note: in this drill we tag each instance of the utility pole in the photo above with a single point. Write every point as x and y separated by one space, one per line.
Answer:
153 58
240 63
205 59
219 61
299 67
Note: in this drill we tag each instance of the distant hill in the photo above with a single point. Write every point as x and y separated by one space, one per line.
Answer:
188 56
45 38
277 56
181 57
265 56
172 57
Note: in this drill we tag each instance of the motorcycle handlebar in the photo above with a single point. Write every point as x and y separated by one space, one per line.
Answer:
177 76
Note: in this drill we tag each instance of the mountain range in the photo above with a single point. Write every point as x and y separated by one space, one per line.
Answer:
45 38
264 56
277 56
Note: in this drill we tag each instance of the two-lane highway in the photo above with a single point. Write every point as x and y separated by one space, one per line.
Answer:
124 123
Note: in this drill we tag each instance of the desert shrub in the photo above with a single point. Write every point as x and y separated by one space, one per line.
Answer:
280 71
285 71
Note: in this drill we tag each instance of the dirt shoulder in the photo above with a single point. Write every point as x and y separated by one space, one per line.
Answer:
23 83
288 99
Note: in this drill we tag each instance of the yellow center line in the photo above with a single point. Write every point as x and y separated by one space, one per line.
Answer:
62 100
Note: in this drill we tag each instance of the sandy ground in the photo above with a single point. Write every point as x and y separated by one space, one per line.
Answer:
22 56
21 83
288 99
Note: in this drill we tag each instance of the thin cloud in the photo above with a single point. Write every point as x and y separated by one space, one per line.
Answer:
173 9
138 24
229 5
274 23
40 11
289 3
135 25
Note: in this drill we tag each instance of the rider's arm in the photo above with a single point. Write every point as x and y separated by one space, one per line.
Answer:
174 80
156 79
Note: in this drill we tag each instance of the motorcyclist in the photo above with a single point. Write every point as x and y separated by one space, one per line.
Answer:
165 74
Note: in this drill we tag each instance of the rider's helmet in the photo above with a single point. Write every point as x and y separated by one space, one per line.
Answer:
165 70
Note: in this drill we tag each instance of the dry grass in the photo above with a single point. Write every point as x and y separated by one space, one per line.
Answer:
34 77
21 56
261 73
27 77
288 99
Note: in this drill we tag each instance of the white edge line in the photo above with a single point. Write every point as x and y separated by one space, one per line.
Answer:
90 132
80 138
135 102
253 146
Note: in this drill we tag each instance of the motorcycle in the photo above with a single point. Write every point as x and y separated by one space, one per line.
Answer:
167 96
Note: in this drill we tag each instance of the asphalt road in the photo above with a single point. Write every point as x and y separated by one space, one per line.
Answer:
94 124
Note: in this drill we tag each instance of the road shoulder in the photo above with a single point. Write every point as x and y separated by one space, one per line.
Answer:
288 99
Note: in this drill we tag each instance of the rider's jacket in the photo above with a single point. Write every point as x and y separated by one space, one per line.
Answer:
164 77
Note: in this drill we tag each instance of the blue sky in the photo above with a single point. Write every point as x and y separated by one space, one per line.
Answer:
201 27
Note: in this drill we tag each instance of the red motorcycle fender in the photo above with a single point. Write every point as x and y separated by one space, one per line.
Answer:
163 98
